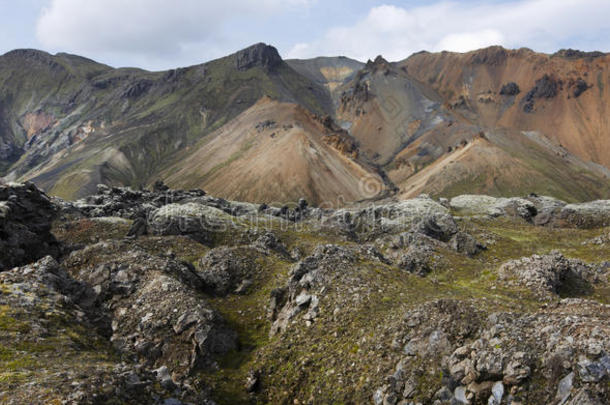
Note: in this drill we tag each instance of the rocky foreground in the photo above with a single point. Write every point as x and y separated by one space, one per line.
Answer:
176 297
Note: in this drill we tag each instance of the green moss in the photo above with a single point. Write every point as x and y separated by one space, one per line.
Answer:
9 324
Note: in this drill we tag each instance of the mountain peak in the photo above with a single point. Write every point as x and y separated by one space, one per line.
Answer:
578 54
260 54
378 64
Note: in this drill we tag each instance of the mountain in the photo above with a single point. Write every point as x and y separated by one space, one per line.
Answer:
565 96
72 123
275 152
254 127
426 142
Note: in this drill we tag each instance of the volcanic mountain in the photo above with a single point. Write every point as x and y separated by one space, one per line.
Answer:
254 127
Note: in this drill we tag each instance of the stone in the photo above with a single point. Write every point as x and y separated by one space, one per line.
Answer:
517 369
225 269
159 187
543 274
510 89
492 206
378 397
593 214
416 260
437 226
195 220
443 394
465 243
564 388
26 214
460 395
138 228
593 371
579 87
303 299
165 378
497 392
252 381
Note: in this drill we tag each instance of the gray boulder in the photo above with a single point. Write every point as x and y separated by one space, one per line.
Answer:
198 221
493 206
545 274
594 214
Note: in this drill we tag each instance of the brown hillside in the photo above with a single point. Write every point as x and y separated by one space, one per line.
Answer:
277 152
564 95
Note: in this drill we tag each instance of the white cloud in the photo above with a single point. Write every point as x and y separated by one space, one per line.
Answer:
147 30
467 41
396 32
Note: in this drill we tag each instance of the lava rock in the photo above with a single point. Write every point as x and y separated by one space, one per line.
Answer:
510 89
26 214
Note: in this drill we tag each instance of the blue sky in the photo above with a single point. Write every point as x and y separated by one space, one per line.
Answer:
161 34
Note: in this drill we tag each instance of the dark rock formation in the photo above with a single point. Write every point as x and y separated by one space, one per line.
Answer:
579 87
465 243
417 260
260 55
510 89
577 54
137 89
439 226
26 214
545 87
326 263
130 204
493 56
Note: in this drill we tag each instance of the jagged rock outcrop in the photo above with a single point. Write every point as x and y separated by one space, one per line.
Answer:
227 270
261 55
578 87
74 325
26 214
545 87
549 273
473 357
510 89
371 222
309 279
158 315
125 202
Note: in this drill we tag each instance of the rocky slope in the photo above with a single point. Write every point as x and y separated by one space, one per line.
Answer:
69 123
494 121
563 95
176 297
277 152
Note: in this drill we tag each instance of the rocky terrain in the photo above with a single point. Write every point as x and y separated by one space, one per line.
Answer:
164 296
254 127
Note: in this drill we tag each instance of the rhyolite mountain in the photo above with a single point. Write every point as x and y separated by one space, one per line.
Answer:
251 126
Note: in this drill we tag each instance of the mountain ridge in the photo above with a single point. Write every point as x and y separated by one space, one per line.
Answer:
68 122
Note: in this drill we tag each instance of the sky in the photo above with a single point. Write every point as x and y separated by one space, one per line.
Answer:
162 34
